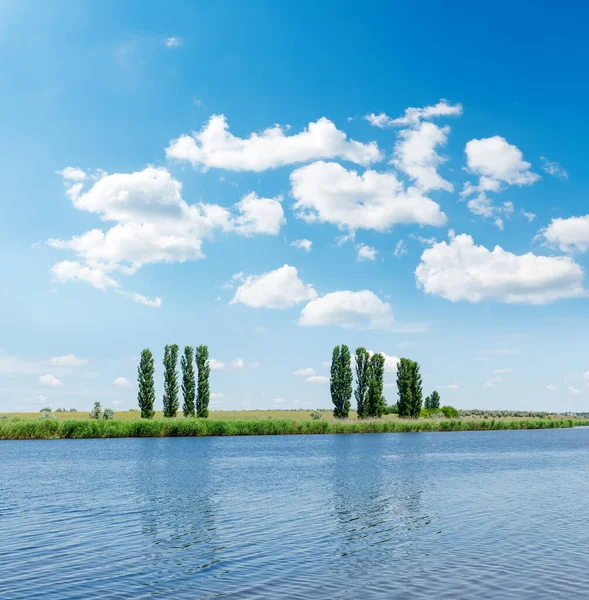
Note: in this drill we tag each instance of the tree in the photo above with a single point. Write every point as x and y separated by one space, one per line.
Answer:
432 402
404 374
341 381
376 404
188 382
416 391
108 413
362 380
203 392
170 380
145 384
96 412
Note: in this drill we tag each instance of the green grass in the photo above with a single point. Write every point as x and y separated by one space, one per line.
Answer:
30 429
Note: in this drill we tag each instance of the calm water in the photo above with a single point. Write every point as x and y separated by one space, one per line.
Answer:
452 515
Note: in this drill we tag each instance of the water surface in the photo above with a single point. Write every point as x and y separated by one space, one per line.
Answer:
498 514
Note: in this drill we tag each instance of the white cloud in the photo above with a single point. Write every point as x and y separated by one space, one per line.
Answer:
366 252
67 360
573 390
450 386
238 363
390 362
350 310
152 224
551 387
459 270
303 244
553 168
280 289
400 249
569 235
317 379
530 216
72 174
122 382
304 372
50 380
497 163
502 371
327 192
216 365
491 384
173 42
586 374
259 215
216 146
415 154
141 299
413 116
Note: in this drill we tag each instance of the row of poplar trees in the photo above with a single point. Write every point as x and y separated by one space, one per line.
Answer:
370 401
195 389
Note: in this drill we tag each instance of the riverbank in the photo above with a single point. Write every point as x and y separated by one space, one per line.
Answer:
44 429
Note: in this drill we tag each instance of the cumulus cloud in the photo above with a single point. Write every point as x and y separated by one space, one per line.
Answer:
317 379
347 309
551 387
67 360
569 235
460 270
152 224
573 390
50 380
238 363
304 372
216 365
327 192
122 382
280 289
497 163
303 244
366 252
553 168
215 146
173 42
413 115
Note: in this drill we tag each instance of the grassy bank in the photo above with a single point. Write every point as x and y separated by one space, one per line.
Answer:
29 429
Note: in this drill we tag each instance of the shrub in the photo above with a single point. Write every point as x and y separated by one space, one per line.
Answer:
73 410
108 413
45 410
316 414
96 412
450 412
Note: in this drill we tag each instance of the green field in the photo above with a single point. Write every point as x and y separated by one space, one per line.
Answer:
14 428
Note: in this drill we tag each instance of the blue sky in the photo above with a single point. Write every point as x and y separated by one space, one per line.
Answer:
145 200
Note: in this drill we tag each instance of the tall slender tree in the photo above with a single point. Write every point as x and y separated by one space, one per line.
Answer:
362 380
188 382
432 402
145 384
341 380
404 375
202 389
376 404
416 390
170 380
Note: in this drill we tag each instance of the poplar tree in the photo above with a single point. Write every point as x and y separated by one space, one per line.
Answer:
188 382
362 381
376 403
202 388
145 384
170 381
404 374
341 380
416 391
432 402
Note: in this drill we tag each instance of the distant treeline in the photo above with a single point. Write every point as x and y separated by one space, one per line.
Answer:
498 414
370 401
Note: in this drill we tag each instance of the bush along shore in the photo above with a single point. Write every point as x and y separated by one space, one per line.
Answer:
43 429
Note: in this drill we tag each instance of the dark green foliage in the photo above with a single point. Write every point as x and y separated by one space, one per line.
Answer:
108 413
46 409
375 404
96 412
404 374
341 381
73 410
450 412
188 382
362 380
170 380
203 392
432 403
145 384
416 391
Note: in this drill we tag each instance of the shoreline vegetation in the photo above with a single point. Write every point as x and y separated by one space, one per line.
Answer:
22 428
